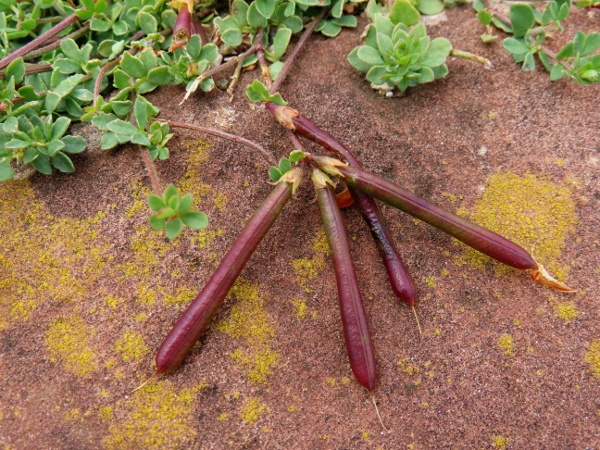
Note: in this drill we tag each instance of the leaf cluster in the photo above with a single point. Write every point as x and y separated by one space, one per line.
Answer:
398 53
530 29
173 211
285 165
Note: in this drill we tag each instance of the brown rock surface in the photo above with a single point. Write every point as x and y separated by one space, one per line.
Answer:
88 291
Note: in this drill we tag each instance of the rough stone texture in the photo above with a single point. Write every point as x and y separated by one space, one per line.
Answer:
88 292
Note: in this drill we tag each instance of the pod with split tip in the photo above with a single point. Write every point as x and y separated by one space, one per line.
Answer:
486 241
354 319
400 280
197 317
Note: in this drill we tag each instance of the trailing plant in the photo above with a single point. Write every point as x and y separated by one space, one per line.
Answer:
531 28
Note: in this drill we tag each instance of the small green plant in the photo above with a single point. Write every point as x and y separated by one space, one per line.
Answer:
285 165
530 29
173 211
397 52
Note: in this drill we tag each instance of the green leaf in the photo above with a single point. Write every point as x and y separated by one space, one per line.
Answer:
66 65
384 43
274 173
296 155
194 47
120 28
257 92
54 147
284 165
515 46
121 127
166 212
403 12
195 219
232 37
170 191
133 66
485 17
592 43
487 38
155 202
147 22
30 154
328 28
156 223
266 7
16 144
16 70
71 49
356 62
42 165
255 18
140 112
173 228
209 52
522 18
160 76
186 203
281 41
529 62
438 51
140 139
66 86
369 56
277 99
6 171
121 107
73 144
63 163
51 101
430 6
100 25
109 140
149 59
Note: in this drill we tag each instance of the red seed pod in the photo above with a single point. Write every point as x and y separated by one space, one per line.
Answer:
354 319
197 317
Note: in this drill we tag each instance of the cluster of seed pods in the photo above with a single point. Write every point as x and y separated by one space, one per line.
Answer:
364 188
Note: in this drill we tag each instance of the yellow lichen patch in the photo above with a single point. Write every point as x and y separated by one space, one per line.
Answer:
564 310
182 296
431 282
131 346
157 416
251 410
63 256
149 248
407 367
219 200
203 237
106 413
499 442
300 306
505 342
531 211
307 269
223 417
331 381
248 320
592 357
67 343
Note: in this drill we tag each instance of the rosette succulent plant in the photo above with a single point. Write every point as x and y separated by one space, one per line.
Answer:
398 55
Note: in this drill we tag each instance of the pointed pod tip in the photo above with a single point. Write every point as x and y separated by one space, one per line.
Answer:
147 381
541 275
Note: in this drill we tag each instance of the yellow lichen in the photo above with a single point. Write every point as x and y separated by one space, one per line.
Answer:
67 343
106 413
529 210
251 410
184 295
203 237
331 381
220 200
292 409
499 442
300 308
156 416
564 310
249 321
63 256
408 367
223 417
505 342
592 357
131 346
430 282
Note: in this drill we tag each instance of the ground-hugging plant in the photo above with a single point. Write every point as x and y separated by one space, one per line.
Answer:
133 47
531 28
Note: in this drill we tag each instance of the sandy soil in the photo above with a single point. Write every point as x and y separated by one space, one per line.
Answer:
88 291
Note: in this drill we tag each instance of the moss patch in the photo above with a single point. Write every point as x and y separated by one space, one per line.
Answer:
156 417
529 210
249 321
67 343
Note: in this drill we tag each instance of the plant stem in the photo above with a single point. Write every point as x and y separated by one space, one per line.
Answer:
150 166
31 70
232 137
100 76
466 55
39 41
290 60
54 45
